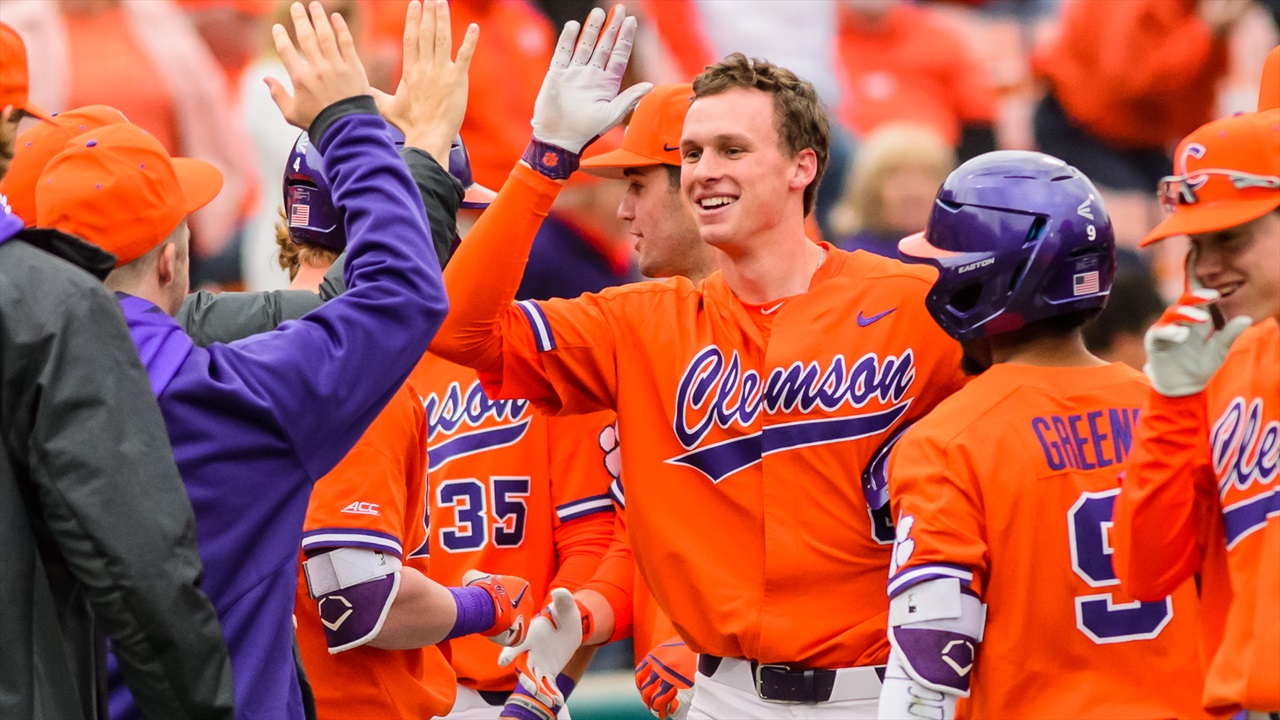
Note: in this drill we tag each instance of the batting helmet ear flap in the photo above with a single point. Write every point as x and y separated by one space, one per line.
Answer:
310 215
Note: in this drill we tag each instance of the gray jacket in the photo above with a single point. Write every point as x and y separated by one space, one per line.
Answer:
224 317
98 534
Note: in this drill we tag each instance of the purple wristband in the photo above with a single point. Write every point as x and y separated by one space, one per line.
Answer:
550 160
566 685
476 611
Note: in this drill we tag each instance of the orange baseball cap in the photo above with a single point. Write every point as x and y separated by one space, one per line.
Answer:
1228 174
1269 93
653 135
37 146
116 187
13 74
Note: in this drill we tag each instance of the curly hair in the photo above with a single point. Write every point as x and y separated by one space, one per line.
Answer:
798 115
294 255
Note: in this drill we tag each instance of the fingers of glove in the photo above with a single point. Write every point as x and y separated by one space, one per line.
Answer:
1224 338
1199 296
564 46
626 102
604 47
587 40
1165 335
621 54
562 608
1183 315
512 652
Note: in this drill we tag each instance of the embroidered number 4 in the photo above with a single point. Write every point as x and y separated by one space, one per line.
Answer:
1098 616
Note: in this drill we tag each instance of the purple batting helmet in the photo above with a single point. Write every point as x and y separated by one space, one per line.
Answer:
1017 237
310 213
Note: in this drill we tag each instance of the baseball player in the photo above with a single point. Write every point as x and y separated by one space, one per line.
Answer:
369 617
251 433
751 395
1003 494
615 604
1199 496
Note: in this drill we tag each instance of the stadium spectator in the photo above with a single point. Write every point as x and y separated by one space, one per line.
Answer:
892 186
144 57
903 62
1125 81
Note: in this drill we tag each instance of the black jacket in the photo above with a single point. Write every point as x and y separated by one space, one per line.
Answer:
97 532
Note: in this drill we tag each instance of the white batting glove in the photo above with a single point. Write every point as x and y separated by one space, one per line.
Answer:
554 636
579 99
1183 351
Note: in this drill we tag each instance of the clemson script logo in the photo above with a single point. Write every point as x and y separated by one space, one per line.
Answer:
717 392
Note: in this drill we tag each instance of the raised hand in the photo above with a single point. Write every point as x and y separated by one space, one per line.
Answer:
554 636
1183 351
324 68
431 99
579 99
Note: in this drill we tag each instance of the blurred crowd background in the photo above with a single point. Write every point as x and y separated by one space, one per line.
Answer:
914 88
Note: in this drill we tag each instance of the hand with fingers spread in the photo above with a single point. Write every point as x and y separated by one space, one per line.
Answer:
1183 350
553 638
579 99
324 68
431 99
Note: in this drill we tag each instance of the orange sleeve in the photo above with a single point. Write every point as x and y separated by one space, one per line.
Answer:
615 580
580 492
484 274
1167 487
939 523
361 502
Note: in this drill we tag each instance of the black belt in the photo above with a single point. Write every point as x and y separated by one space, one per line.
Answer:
780 683
495 698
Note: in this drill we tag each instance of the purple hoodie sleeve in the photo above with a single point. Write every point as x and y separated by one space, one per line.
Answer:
327 375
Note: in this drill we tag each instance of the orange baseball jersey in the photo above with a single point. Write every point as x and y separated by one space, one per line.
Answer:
373 499
509 491
748 427
1009 486
1201 498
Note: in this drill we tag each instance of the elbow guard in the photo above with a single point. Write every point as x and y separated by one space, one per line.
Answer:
934 629
353 589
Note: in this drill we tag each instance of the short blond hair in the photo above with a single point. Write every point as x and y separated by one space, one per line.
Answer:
888 149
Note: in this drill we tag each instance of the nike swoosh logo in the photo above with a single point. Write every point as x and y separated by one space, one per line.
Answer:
865 321
518 598
773 309
668 148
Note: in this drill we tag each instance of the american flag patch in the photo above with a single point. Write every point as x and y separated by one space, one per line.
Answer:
300 216
1084 283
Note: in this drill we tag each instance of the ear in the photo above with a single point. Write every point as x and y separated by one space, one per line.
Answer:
806 169
166 264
